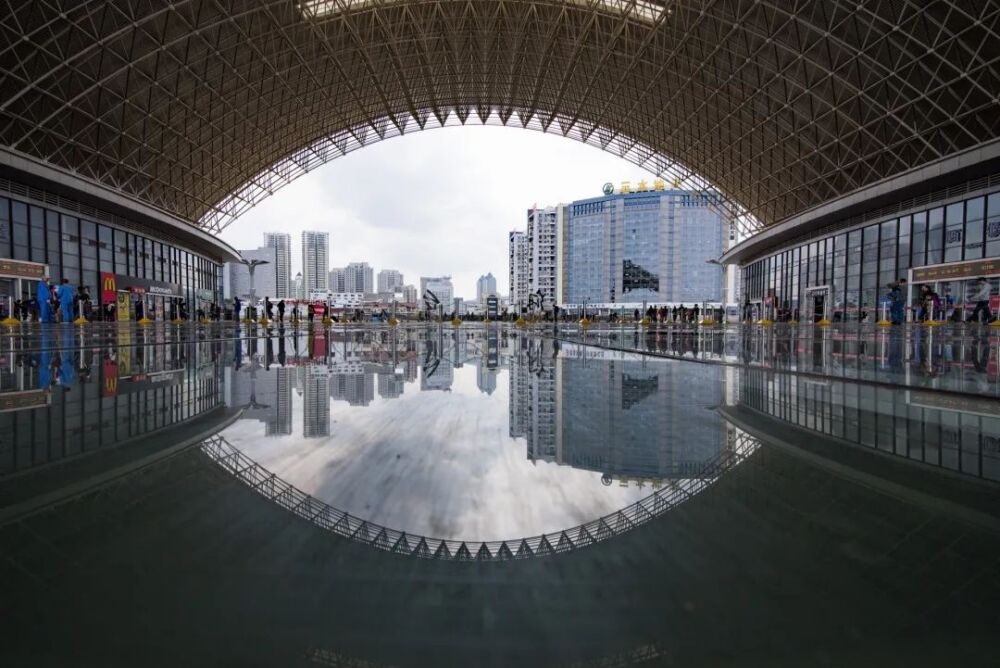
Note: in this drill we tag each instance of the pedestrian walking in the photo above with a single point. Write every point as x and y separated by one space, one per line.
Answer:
281 310
981 296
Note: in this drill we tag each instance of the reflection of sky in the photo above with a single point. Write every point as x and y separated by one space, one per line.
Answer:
434 463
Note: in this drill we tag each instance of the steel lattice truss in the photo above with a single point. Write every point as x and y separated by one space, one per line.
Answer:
204 107
740 446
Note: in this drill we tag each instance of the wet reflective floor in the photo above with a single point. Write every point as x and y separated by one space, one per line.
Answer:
492 496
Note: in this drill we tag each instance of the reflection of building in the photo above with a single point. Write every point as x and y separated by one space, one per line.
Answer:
615 414
486 378
279 420
357 389
391 385
315 401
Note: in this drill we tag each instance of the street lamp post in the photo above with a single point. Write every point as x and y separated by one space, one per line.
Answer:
251 266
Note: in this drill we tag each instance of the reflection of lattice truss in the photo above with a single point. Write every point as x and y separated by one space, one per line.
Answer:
232 460
203 107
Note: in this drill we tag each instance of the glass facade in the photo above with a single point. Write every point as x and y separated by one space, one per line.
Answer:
845 275
652 247
79 249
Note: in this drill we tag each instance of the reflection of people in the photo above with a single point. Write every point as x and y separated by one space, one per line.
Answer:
45 300
982 298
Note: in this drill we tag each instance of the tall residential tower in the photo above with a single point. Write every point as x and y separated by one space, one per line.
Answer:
315 262
282 245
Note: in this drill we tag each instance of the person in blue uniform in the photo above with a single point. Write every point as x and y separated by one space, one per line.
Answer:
45 301
65 294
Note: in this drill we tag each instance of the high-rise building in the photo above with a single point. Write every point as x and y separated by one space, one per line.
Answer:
486 286
541 231
360 278
236 275
653 246
282 244
519 270
441 287
410 295
315 261
338 279
389 280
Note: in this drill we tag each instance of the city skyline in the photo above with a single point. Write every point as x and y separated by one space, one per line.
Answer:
386 207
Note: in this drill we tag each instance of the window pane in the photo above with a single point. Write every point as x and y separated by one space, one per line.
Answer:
954 231
993 225
974 227
935 235
918 241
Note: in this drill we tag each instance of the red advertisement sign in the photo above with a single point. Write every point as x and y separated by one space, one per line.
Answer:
110 388
109 288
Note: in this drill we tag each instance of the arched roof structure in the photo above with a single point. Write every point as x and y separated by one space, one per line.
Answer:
203 107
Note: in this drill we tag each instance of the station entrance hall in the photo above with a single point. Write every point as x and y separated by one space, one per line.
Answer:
745 412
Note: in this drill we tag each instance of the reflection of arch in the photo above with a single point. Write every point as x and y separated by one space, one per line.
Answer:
203 108
255 476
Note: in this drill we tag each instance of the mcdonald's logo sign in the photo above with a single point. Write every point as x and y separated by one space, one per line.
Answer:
109 288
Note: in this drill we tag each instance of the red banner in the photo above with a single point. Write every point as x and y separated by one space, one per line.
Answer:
109 288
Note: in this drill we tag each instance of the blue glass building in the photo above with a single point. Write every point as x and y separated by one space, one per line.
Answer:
652 246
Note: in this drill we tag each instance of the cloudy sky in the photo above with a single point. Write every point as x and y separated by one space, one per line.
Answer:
435 202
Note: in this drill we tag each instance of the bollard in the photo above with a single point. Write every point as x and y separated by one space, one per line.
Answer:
10 320
884 322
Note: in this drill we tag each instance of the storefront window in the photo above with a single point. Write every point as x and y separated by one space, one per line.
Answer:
974 228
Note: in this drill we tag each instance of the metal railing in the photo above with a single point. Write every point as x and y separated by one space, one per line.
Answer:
303 505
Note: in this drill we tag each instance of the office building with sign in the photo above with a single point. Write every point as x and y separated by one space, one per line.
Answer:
653 245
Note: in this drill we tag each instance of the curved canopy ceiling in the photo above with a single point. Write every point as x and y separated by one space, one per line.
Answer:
203 107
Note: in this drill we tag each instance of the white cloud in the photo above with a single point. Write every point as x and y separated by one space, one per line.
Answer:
433 203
